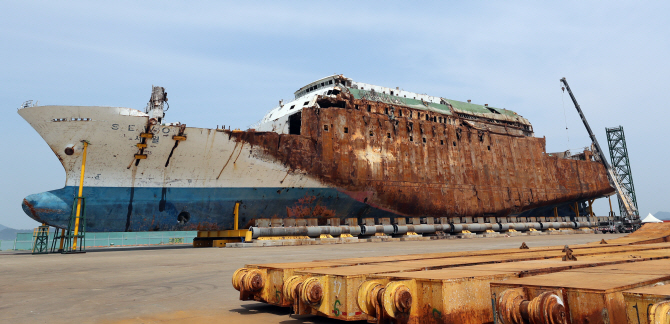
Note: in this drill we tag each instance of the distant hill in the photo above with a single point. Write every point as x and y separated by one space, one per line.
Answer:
9 234
662 215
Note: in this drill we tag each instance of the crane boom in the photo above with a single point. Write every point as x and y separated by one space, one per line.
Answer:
611 175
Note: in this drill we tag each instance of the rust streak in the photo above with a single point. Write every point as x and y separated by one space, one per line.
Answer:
230 157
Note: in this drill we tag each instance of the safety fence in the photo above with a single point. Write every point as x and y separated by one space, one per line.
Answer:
24 241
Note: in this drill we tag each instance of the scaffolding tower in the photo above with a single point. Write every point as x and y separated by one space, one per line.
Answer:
620 163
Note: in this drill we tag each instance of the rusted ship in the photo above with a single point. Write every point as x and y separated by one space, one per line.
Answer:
340 148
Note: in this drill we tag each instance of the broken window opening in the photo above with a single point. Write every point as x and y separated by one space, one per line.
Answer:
441 142
440 119
369 108
388 135
387 110
325 127
356 106
489 147
427 117
346 130
294 123
454 143
424 139
411 139
492 110
372 133
400 112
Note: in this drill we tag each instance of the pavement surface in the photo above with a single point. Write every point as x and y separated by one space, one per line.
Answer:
181 284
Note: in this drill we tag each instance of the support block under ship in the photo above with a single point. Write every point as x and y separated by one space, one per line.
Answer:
341 148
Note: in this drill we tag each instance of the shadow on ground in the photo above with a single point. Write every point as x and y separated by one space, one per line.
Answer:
254 309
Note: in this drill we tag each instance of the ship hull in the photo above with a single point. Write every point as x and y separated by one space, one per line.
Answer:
339 161
119 209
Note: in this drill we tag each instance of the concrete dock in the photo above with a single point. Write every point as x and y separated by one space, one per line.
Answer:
187 285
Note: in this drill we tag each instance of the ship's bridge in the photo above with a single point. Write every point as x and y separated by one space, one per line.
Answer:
277 119
327 82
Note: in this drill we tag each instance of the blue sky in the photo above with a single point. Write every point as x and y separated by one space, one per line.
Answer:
230 62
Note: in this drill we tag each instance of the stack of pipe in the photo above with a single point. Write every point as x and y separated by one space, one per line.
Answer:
396 230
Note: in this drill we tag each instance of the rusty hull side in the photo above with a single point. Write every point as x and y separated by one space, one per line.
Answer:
415 167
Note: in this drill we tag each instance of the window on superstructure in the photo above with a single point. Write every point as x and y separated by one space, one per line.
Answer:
322 84
330 82
292 107
329 92
391 92
306 103
294 123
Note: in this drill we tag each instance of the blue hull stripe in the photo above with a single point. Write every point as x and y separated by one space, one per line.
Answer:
115 209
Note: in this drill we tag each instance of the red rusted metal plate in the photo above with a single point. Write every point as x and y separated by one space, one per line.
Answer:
659 267
597 281
457 171
358 270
